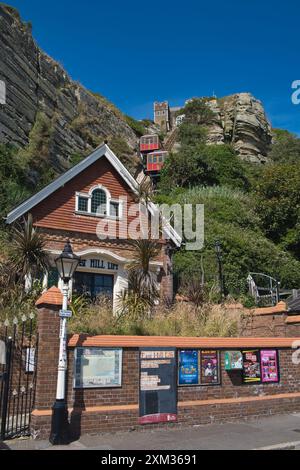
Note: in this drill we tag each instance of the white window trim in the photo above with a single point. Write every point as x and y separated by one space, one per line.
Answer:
109 199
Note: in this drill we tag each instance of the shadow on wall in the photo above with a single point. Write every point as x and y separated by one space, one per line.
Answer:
236 377
76 415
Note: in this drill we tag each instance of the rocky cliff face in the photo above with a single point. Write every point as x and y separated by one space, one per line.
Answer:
241 121
40 97
56 119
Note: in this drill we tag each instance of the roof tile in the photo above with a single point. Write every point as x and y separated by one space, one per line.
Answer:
293 319
53 296
281 307
178 342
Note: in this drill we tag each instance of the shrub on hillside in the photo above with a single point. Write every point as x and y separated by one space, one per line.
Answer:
206 165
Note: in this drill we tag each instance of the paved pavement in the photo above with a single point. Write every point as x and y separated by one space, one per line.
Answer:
282 431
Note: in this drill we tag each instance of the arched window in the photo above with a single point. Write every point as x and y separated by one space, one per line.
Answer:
99 202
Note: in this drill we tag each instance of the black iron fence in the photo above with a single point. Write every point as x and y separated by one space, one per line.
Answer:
18 347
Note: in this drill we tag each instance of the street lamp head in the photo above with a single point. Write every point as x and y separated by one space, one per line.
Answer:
67 263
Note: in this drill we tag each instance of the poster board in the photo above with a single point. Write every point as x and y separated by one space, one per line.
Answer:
98 367
188 367
210 367
251 366
158 385
269 366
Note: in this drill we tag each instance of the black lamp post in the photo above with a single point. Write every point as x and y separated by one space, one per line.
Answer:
219 254
66 265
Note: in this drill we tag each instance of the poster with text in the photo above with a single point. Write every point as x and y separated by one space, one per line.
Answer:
269 366
251 366
158 385
188 367
209 367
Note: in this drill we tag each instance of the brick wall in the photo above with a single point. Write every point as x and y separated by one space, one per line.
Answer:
115 409
273 325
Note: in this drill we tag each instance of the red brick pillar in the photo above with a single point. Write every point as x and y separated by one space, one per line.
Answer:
48 323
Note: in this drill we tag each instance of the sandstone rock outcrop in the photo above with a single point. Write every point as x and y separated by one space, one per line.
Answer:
241 121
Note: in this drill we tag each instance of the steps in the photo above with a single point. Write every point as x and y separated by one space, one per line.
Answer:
171 139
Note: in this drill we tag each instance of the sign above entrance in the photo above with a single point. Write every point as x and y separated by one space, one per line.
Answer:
98 264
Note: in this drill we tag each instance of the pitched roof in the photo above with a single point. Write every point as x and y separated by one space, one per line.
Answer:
102 151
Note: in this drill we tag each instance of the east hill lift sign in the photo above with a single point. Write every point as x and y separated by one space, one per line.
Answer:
98 264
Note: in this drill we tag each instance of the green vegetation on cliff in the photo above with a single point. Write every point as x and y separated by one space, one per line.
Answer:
253 210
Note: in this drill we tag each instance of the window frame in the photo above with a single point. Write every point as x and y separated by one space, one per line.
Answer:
109 200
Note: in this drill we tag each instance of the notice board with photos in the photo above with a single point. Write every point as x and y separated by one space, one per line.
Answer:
158 385
198 367
97 367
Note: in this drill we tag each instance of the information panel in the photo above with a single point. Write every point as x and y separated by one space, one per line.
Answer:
188 367
251 366
158 385
269 366
209 367
98 367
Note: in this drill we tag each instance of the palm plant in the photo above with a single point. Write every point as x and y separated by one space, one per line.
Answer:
142 279
143 292
27 252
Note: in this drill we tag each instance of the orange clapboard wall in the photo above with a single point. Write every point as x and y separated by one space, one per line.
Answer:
58 210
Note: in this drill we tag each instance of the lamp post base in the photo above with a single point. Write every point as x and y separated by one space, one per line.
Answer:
60 424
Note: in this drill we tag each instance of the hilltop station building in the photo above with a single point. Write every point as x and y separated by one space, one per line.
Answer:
71 208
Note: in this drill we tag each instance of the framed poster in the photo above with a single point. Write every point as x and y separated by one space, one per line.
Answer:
251 366
233 360
269 366
209 367
158 385
98 367
188 367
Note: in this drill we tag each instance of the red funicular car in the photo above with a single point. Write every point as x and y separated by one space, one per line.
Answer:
156 160
149 143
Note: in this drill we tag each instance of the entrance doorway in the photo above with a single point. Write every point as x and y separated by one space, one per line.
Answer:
94 285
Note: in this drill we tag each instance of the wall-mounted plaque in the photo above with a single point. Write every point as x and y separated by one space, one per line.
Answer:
98 367
158 385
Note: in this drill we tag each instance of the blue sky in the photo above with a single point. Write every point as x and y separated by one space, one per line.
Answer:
137 52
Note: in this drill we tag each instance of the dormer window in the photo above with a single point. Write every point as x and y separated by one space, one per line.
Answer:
98 202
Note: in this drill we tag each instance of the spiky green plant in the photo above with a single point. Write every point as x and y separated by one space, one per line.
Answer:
27 252
142 279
